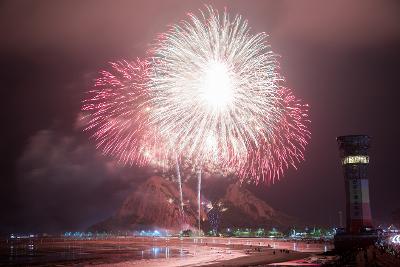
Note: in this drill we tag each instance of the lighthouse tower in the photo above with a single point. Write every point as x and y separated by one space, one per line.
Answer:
355 161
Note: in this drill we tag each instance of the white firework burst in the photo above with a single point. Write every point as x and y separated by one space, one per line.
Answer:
215 90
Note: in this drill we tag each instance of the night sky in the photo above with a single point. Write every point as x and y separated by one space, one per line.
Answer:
341 57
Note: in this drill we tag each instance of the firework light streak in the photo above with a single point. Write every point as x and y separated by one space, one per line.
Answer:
199 199
178 174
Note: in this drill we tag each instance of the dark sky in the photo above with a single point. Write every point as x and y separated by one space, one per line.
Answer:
341 57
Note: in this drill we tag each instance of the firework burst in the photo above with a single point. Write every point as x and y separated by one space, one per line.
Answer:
217 98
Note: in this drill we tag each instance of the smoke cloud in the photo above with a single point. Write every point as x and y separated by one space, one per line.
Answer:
65 183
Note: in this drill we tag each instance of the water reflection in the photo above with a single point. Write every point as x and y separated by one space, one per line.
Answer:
167 252
163 252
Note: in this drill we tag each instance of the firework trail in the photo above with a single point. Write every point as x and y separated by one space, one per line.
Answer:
178 174
199 199
217 98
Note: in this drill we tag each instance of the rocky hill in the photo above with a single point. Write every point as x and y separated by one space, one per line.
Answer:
155 204
244 209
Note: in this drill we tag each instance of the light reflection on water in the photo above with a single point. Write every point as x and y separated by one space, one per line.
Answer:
163 252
